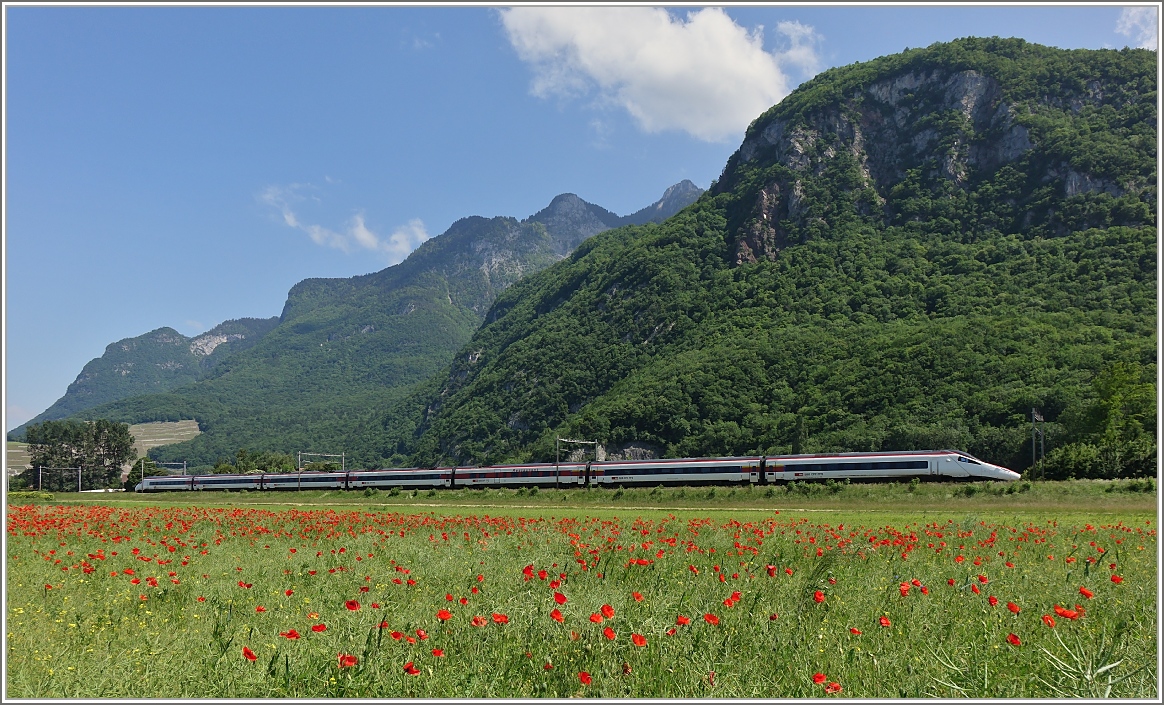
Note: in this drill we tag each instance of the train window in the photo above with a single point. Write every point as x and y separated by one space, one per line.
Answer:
968 460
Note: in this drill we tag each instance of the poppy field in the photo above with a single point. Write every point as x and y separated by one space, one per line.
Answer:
184 602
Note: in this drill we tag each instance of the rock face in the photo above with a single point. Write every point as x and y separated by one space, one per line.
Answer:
930 124
674 199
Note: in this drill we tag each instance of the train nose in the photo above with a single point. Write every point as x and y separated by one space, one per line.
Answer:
1006 473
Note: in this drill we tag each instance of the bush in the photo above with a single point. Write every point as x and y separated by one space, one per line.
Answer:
371 491
32 495
1107 461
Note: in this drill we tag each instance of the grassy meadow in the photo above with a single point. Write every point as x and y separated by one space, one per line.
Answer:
1047 592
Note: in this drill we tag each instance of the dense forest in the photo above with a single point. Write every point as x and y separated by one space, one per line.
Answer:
908 253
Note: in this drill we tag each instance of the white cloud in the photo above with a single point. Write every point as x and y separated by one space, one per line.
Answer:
1139 24
703 74
355 236
801 52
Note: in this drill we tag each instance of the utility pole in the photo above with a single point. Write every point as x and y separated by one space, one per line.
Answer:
1036 417
558 455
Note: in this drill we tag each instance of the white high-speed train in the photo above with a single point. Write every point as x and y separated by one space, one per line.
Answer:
759 470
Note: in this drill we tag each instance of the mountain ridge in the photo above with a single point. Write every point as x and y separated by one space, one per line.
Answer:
358 338
907 253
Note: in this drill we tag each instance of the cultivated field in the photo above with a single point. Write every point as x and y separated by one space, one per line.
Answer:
189 596
152 435
17 457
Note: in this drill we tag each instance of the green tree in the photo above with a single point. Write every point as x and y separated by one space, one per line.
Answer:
99 448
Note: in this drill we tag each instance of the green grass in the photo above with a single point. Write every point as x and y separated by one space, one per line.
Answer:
1134 495
93 635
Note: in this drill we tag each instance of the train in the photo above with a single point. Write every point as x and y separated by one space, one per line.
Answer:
755 470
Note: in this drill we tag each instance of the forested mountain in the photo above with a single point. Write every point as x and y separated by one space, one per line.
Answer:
155 362
343 349
907 253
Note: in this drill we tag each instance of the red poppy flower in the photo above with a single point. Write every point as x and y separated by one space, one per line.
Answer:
201 599
449 598
584 677
559 598
363 588
773 617
992 600
950 582
383 625
1086 593
500 618
438 653
135 581
548 667
288 593
671 631
982 579
318 627
596 618
818 597
375 605
248 654
397 635
788 571
638 640
444 615
422 634
607 611
974 589
260 609
1116 579
1049 621
711 618
478 621
556 615
854 630
1014 640
411 669
608 633
833 687
682 621
1066 613
884 621
1013 607
555 584
819 678
290 634
352 605
925 590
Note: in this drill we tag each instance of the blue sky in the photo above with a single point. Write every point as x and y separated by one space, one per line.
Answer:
180 166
